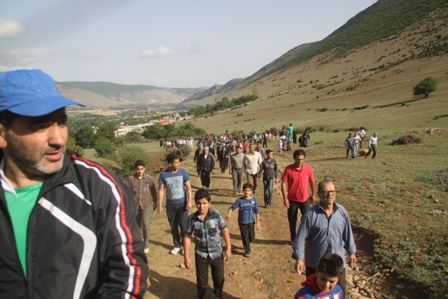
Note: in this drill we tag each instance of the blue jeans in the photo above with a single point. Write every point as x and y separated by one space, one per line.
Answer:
268 189
177 217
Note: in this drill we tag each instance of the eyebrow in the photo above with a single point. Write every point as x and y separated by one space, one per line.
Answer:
48 119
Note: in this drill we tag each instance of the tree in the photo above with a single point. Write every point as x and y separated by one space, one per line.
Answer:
85 137
133 137
71 144
425 87
107 130
104 148
155 132
129 154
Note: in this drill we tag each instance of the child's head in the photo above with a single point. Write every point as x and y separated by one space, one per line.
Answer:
202 200
139 167
328 271
173 161
269 154
247 190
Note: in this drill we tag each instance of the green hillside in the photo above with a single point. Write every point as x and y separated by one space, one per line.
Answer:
381 20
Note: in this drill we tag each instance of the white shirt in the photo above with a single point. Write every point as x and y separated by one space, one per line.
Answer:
252 162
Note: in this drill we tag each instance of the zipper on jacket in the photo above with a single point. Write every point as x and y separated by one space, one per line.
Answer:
25 280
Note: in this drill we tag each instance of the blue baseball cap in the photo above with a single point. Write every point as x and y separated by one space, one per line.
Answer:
30 93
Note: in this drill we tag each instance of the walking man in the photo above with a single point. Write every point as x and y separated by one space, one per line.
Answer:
68 226
252 163
295 181
325 228
270 174
145 199
206 165
178 198
236 169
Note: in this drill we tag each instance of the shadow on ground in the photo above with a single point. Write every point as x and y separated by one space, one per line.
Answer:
167 287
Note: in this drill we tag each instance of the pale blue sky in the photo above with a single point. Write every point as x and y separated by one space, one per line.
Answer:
171 43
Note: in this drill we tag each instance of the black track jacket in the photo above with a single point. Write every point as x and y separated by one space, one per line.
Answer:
82 242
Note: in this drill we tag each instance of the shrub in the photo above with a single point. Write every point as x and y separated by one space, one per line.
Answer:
425 87
182 152
129 154
407 139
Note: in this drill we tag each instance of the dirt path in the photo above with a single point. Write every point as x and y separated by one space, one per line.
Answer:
267 274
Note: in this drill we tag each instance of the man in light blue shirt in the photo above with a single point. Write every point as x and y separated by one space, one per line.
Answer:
325 228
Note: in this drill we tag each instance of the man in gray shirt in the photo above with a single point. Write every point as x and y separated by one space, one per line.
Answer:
325 228
236 169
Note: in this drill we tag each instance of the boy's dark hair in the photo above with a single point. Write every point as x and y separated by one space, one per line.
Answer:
268 152
299 152
171 157
331 264
248 186
202 193
139 163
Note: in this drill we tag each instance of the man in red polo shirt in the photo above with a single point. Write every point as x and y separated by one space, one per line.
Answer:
295 180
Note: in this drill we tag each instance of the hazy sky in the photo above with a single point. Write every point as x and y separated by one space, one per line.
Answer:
195 43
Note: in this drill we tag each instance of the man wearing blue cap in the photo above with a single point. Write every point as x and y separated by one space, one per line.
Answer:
67 225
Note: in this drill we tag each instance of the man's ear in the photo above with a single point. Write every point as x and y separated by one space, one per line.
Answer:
2 136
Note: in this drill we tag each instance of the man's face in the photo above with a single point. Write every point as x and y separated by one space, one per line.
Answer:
327 195
299 160
206 150
270 155
140 170
252 148
35 146
258 145
238 150
175 165
325 282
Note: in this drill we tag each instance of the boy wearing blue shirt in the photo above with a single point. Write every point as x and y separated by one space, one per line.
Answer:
207 225
248 216
324 283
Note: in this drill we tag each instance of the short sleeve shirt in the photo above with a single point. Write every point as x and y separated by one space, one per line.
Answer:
207 234
298 181
175 185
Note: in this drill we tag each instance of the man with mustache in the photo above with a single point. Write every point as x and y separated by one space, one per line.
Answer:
67 225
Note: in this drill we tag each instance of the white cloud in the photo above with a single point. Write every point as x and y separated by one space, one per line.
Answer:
199 49
161 51
17 57
9 29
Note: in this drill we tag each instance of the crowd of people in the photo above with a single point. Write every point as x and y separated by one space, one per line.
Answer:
71 228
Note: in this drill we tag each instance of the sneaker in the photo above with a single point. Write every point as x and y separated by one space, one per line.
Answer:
175 250
247 255
147 250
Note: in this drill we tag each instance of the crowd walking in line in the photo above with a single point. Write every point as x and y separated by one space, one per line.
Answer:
112 217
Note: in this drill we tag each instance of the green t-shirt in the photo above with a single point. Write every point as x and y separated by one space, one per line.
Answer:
20 210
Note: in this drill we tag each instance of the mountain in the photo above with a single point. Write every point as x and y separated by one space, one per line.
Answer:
382 20
106 94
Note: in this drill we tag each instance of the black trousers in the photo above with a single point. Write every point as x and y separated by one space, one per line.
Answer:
247 235
205 179
293 212
217 266
342 283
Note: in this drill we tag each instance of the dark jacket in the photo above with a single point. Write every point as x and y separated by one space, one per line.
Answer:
206 164
82 242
